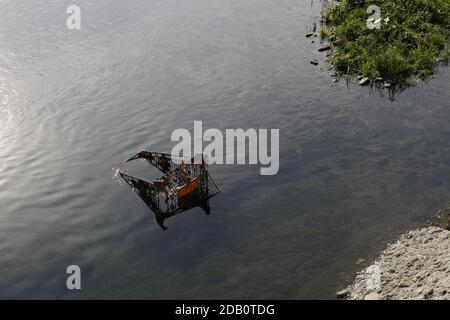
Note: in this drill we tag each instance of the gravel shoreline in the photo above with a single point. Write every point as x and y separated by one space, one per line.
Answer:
415 267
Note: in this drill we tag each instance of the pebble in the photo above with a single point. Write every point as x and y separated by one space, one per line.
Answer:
364 82
325 48
372 296
360 261
343 293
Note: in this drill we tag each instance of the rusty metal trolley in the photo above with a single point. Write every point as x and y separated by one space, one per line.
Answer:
186 184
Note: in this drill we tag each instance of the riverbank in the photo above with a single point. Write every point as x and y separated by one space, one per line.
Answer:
415 267
387 42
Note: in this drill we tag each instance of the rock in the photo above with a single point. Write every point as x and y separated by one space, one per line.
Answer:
387 85
364 82
314 62
429 292
372 296
324 48
358 78
379 79
337 43
309 35
343 293
360 261
335 80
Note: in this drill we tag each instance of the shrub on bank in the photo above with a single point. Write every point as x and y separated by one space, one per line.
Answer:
412 39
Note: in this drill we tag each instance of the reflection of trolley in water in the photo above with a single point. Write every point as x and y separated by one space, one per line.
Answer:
184 185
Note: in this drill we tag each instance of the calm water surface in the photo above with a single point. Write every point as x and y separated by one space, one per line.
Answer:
356 169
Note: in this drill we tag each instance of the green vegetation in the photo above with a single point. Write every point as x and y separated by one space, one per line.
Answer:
413 38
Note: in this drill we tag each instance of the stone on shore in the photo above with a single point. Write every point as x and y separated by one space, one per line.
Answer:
343 293
364 81
372 296
324 48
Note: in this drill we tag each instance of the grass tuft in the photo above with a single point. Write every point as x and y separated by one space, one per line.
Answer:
411 42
